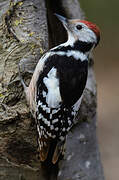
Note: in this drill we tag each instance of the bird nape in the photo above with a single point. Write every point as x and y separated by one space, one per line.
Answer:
56 89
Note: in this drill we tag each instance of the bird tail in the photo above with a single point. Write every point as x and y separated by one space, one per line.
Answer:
59 151
51 150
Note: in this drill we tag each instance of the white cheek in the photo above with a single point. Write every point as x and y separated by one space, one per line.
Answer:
87 36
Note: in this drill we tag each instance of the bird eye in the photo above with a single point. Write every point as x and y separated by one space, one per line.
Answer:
79 27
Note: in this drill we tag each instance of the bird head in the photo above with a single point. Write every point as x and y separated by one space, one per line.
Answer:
81 30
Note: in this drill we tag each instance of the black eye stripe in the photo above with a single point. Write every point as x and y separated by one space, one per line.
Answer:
79 27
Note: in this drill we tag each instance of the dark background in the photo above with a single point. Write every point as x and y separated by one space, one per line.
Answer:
105 13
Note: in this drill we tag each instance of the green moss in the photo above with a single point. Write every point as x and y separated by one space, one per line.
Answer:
41 51
17 22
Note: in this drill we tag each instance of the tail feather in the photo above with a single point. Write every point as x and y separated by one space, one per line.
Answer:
59 150
51 150
44 146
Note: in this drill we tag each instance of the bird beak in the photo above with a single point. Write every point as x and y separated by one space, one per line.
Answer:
62 19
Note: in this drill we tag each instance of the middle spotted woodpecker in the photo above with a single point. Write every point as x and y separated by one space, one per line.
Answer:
56 88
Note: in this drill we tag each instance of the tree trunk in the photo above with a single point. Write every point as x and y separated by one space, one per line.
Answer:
27 29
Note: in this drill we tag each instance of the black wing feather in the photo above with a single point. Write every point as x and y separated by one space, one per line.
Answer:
72 76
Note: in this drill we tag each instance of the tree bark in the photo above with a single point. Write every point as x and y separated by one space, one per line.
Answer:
27 29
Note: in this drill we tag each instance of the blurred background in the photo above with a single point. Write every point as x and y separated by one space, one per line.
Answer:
105 13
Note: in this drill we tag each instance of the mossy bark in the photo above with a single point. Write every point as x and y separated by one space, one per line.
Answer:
27 29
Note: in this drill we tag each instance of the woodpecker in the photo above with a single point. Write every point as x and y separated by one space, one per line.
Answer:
56 88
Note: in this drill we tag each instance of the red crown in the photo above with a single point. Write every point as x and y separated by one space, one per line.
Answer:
92 26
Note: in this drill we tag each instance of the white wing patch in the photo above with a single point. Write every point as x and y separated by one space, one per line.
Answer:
53 97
